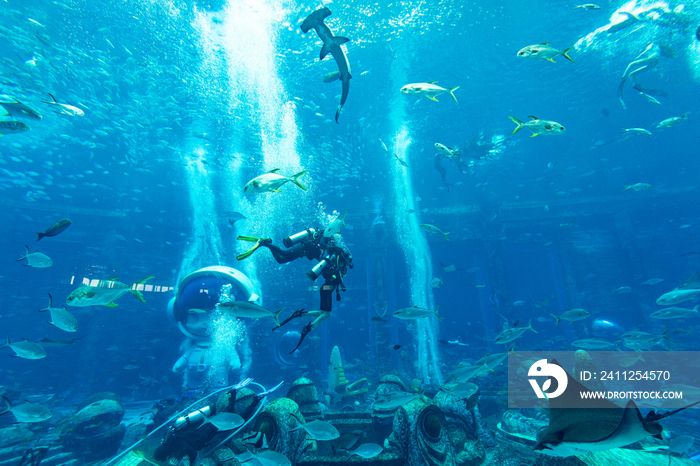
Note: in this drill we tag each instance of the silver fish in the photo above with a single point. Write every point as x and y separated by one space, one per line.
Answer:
36 259
28 412
513 333
248 310
25 349
675 313
415 312
544 51
334 227
61 318
15 108
271 182
572 315
592 344
318 430
64 109
12 127
538 126
434 229
428 90
366 451
393 400
104 293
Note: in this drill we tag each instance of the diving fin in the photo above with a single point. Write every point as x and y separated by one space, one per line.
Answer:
295 314
305 331
251 250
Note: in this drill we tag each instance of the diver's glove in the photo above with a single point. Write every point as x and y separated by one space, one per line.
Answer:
257 241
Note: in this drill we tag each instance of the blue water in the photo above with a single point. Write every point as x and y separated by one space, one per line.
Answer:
185 102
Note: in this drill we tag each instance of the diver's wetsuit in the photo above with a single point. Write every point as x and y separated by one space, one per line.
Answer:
309 249
315 247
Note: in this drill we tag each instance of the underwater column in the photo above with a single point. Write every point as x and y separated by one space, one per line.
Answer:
410 237
251 42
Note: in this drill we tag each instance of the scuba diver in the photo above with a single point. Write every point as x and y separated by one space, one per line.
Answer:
189 434
646 60
314 244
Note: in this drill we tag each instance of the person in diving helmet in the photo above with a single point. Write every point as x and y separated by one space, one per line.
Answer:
314 244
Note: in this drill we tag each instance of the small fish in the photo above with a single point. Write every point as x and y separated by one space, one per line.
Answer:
588 6
638 186
377 319
25 349
592 344
544 51
436 282
55 229
28 412
428 90
104 293
538 126
248 309
12 127
330 77
318 430
675 313
271 182
415 312
650 98
513 333
400 160
347 441
622 290
673 121
368 450
61 318
17 109
518 303
447 152
415 385
264 458
572 315
233 217
36 259
467 371
629 361
653 281
334 227
396 347
637 131
644 337
393 400
449 268
434 229
677 296
65 109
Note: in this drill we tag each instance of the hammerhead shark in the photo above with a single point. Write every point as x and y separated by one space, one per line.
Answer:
331 44
596 426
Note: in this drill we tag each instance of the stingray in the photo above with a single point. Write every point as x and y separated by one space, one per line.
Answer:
595 424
